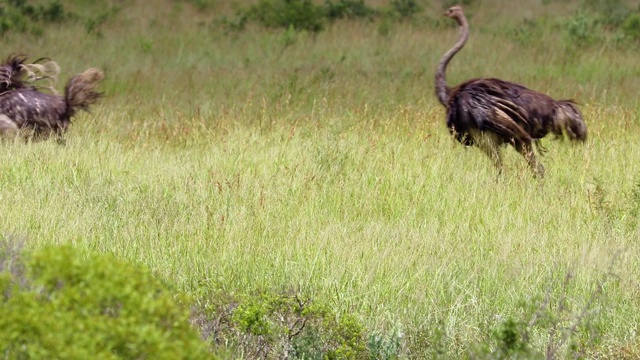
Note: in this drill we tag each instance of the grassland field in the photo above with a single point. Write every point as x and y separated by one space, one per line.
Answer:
240 161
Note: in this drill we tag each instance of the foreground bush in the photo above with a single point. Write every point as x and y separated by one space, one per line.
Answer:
56 303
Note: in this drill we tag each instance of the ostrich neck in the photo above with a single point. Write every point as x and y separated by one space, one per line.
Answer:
441 82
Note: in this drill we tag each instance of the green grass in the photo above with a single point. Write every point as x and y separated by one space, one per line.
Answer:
235 162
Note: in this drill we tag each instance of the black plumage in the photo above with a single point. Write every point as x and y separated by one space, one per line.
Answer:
24 109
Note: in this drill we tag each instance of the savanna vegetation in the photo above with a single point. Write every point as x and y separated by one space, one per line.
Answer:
274 179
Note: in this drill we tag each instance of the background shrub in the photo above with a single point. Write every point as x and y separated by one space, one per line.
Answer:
405 8
21 16
631 27
610 12
349 9
297 14
582 30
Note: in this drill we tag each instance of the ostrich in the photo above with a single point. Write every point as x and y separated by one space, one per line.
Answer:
488 113
16 73
24 108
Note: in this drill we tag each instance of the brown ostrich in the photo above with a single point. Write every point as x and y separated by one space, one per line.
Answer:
488 113
26 110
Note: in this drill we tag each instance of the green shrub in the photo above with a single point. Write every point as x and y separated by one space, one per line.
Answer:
98 18
297 14
65 305
609 12
21 16
385 347
582 30
631 27
52 12
526 32
509 339
405 8
349 9
201 4
282 325
235 23
305 15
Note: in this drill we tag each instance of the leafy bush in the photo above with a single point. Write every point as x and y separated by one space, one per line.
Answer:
631 27
297 14
350 9
600 20
98 18
381 347
284 326
526 32
405 8
20 16
56 303
610 12
582 30
201 4
509 339
305 15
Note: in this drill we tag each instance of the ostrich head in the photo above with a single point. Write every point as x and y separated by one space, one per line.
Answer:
455 12
568 120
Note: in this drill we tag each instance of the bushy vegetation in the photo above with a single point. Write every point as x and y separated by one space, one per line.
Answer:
631 26
200 4
297 14
609 12
405 8
21 16
31 16
57 303
348 9
596 22
306 15
278 326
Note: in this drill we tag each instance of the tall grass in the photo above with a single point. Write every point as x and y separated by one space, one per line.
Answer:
321 163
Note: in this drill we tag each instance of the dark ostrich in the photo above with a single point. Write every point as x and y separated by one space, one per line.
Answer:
27 111
16 73
488 113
